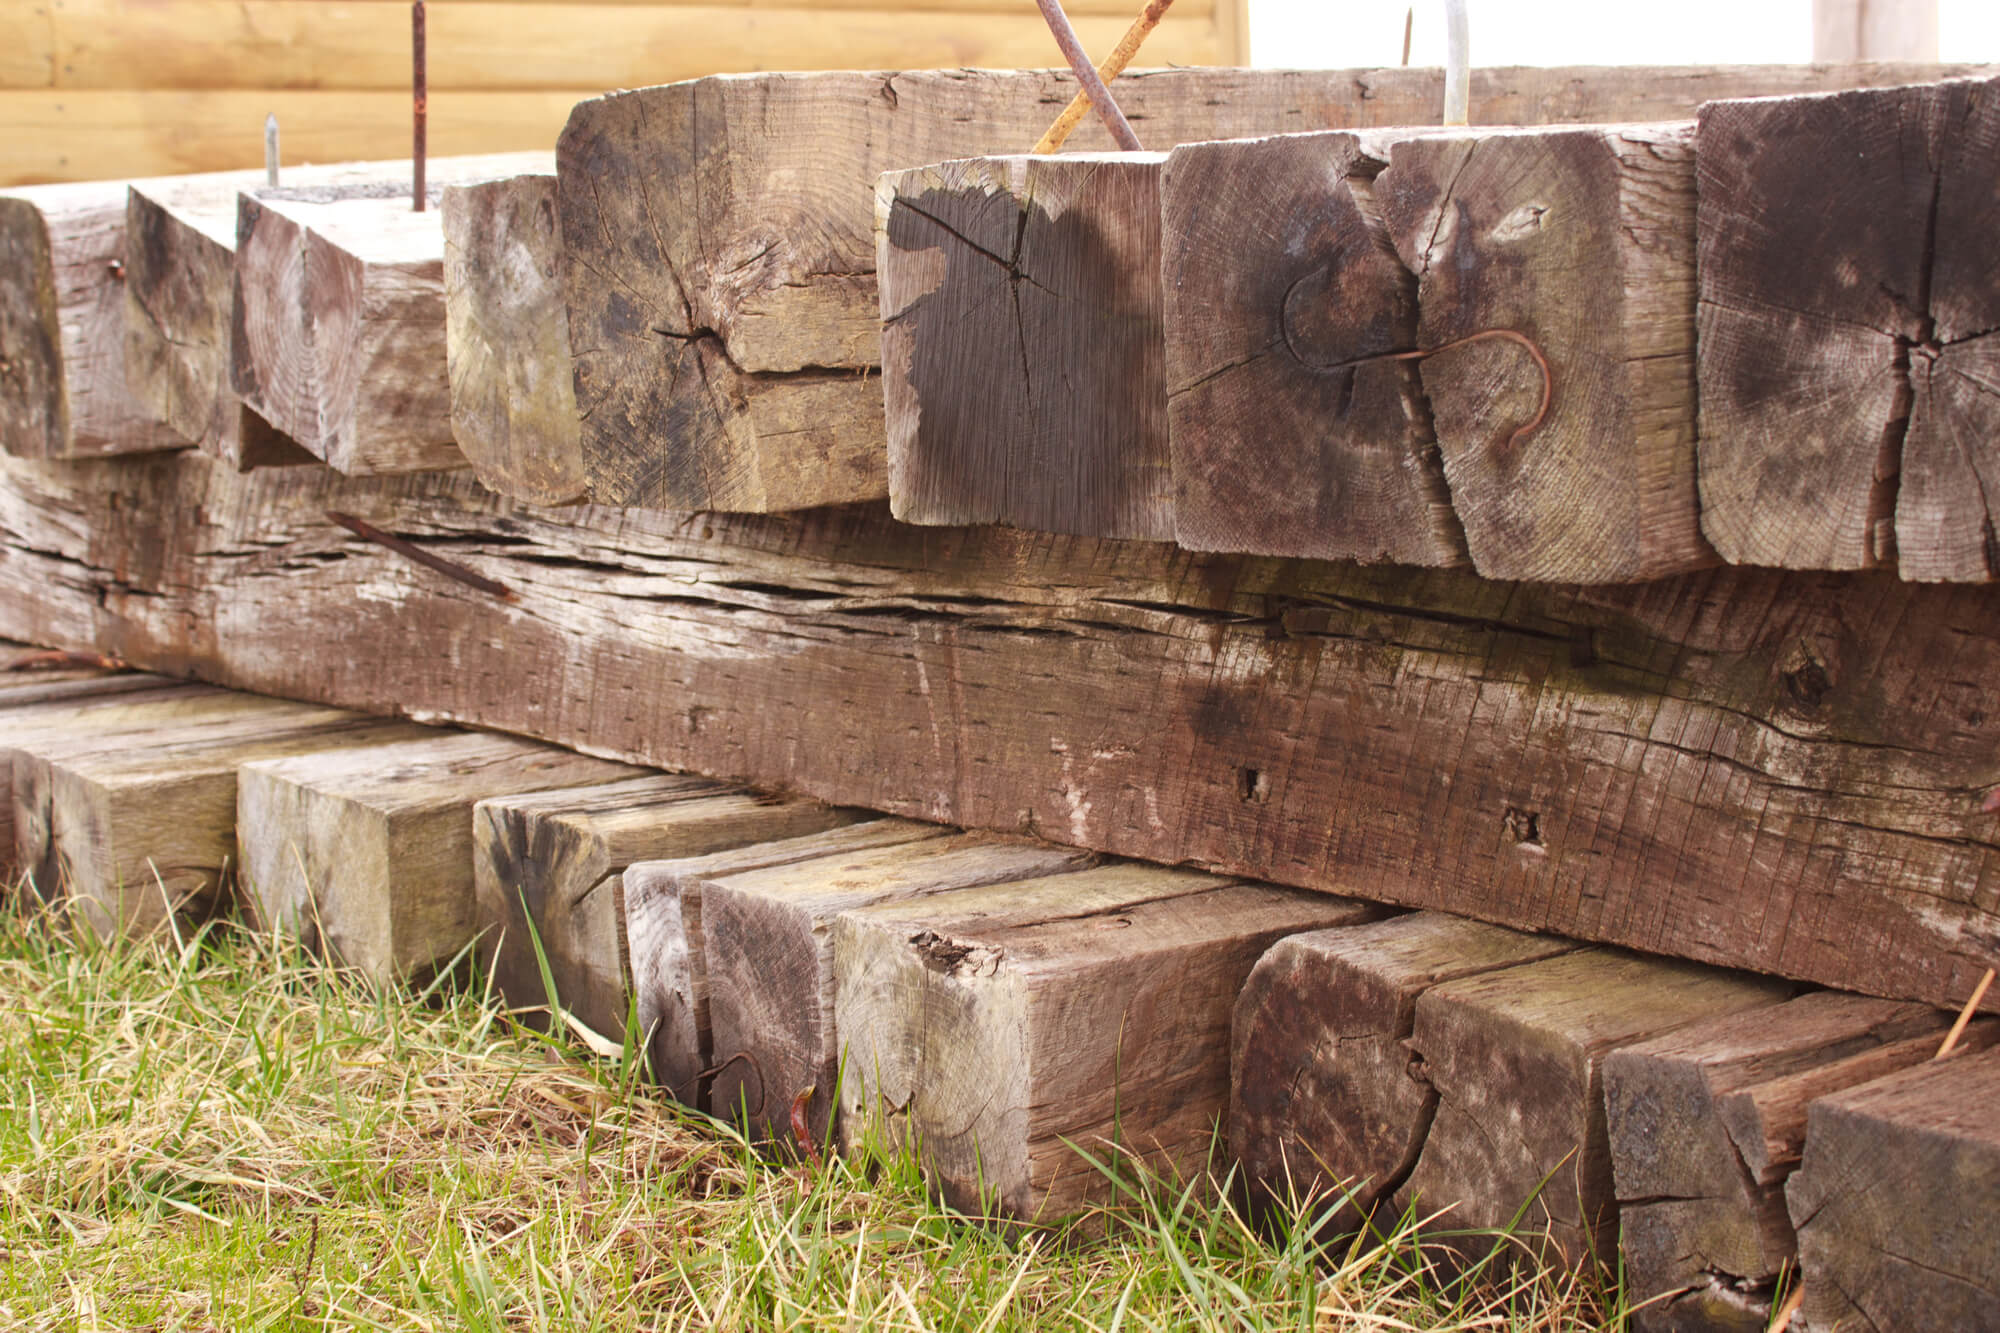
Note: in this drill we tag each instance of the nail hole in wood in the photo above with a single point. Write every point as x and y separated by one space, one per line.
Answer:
1252 785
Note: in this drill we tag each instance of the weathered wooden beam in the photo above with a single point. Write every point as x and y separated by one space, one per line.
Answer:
1289 434
546 877
1326 1097
1555 304
1706 1126
1773 771
1895 1196
1846 347
687 306
338 318
1006 1032
179 270
1021 344
41 701
63 390
1515 1058
366 854
135 825
667 947
768 938
513 394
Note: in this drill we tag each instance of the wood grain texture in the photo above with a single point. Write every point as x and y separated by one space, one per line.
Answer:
1893 1198
1782 772
337 320
62 309
180 261
1846 357
1003 1032
366 855
516 46
1581 241
768 937
36 702
547 870
1516 1059
136 826
1326 1096
667 948
685 304
85 135
513 393
1022 346
1281 285
1706 1125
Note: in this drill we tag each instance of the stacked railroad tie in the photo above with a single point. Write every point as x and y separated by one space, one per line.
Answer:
238 421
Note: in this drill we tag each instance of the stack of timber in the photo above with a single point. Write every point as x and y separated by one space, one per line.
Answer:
97 88
872 891
1037 1027
1473 346
726 337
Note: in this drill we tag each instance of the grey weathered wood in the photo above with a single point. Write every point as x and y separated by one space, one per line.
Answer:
1779 772
1325 1095
337 318
366 854
768 939
136 825
1846 353
1706 1126
689 305
1583 241
40 699
1022 354
62 315
1005 1032
179 269
1516 1059
546 876
1287 435
1895 1197
665 942
513 394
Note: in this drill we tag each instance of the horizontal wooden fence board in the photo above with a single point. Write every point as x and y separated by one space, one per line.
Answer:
1776 771
209 44
79 134
28 46
1122 8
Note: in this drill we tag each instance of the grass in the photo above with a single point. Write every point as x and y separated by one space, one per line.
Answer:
216 1134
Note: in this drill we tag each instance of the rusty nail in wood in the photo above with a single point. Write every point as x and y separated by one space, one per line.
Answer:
451 569
271 150
1086 74
419 103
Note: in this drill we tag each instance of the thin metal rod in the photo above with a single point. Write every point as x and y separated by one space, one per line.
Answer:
271 150
419 104
1079 65
451 569
1409 26
1457 64
1114 65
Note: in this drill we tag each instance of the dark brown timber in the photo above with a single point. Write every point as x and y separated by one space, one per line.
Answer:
721 271
1783 772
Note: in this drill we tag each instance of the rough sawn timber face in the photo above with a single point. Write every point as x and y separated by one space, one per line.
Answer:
1582 241
1848 353
720 239
1706 1126
1022 356
1776 771
1289 433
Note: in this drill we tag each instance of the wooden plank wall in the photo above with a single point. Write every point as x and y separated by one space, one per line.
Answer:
91 89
